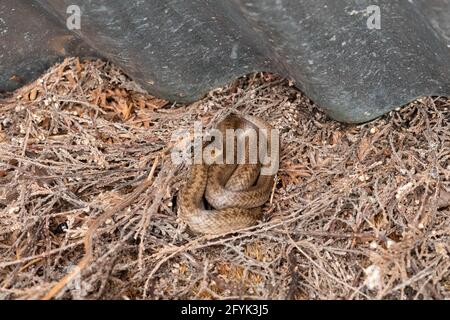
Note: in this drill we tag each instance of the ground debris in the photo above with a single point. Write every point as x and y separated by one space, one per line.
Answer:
359 212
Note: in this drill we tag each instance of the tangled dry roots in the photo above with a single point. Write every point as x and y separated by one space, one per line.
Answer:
359 212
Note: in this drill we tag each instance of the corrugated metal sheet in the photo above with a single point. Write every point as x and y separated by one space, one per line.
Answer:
333 50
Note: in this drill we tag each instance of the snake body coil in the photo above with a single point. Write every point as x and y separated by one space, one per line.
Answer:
235 192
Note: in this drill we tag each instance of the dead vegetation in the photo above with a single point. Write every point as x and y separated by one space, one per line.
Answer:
359 212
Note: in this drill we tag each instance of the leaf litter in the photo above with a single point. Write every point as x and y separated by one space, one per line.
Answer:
358 211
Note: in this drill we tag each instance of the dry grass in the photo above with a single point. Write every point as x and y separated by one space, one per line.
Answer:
360 212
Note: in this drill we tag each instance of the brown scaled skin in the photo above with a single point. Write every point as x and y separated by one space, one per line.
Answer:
230 189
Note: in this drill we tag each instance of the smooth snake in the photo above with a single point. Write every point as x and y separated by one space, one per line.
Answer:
220 198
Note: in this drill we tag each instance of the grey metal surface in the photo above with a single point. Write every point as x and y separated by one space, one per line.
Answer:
179 49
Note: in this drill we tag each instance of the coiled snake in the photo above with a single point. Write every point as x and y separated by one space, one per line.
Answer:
234 191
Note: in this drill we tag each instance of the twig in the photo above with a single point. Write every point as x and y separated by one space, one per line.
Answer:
90 234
